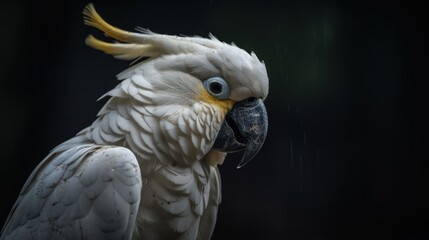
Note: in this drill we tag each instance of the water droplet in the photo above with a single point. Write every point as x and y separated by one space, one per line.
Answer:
300 173
291 154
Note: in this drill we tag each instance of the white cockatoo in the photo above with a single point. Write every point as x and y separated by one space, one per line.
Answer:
147 166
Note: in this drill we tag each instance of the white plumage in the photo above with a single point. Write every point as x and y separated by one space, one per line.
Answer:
145 168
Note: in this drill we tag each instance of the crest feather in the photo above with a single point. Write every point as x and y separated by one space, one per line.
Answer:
145 43
124 51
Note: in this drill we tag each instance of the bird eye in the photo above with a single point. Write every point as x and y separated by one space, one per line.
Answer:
217 87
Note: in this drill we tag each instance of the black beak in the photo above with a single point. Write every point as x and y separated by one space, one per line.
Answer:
245 127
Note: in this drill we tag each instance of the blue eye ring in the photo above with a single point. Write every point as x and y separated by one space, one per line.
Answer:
217 87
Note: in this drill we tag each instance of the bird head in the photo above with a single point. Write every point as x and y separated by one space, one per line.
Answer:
203 96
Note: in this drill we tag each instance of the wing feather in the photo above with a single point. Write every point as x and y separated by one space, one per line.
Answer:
84 192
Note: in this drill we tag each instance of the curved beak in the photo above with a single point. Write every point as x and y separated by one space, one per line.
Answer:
245 127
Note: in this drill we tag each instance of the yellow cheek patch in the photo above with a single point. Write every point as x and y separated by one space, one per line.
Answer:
223 105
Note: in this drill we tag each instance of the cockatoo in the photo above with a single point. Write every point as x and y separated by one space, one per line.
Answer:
147 166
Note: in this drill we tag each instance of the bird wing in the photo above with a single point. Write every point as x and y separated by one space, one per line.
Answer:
86 191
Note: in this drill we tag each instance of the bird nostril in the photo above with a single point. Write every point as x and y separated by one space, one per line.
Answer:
251 99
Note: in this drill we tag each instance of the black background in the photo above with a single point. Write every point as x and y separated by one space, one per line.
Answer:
345 156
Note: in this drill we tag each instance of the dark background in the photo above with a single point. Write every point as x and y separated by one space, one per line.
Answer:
344 157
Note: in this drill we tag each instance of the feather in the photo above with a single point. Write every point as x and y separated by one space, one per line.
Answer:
140 81
52 179
181 224
140 120
143 97
139 150
72 187
53 206
95 135
132 88
192 122
185 146
92 18
169 129
130 192
116 206
33 204
105 125
177 181
195 140
142 109
200 126
178 208
183 125
88 175
123 123
123 51
204 145
113 118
